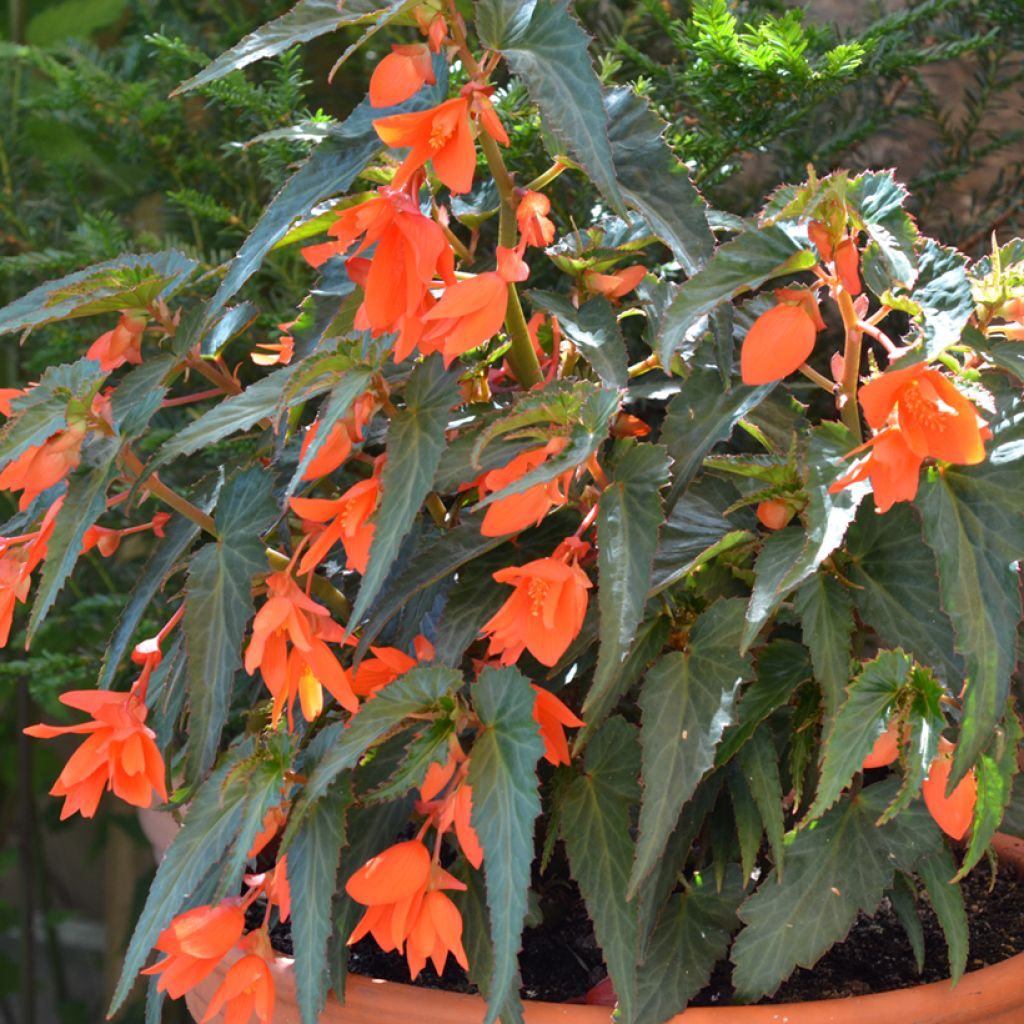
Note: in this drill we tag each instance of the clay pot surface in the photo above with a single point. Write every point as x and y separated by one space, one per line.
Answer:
994 995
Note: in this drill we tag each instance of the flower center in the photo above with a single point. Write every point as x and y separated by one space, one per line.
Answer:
924 410
537 591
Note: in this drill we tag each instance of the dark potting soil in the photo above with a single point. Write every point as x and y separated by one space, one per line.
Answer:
561 961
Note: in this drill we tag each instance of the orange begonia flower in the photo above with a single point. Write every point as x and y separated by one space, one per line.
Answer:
773 514
348 516
432 24
820 238
119 754
952 813
387 664
19 557
195 943
442 135
616 285
891 465
455 809
40 467
338 445
553 718
778 342
274 885
406 909
934 418
472 311
531 215
273 821
401 74
121 345
544 614
8 395
886 748
848 265
528 508
276 353
248 986
806 299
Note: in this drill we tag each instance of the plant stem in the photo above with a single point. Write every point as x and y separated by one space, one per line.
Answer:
848 411
820 379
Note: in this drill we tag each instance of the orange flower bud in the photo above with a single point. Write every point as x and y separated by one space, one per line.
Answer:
774 514
779 341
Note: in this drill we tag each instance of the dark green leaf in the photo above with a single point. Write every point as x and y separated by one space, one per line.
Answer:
749 827
218 606
429 746
84 503
974 522
654 182
549 54
505 808
138 396
859 723
592 328
596 812
416 439
826 616
944 295
687 702
878 200
903 897
780 552
740 265
692 936
629 518
700 416
127 282
758 761
312 877
501 20
947 901
234 321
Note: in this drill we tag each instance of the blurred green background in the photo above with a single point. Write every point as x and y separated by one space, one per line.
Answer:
95 159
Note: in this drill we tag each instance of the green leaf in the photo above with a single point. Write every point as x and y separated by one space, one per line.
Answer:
84 502
127 282
416 439
944 294
218 606
947 901
749 827
592 328
596 812
691 937
239 412
429 746
138 396
896 589
307 20
700 416
877 198
417 692
312 877
826 617
212 825
903 897
740 265
497 20
338 405
859 723
506 804
687 701
779 553
654 182
629 518
549 55
781 667
839 867
758 761
974 522
329 170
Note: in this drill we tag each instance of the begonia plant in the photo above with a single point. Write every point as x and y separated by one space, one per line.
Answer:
687 542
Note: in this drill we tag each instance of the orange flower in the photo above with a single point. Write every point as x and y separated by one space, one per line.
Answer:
273 821
455 809
338 445
932 415
528 508
119 754
531 215
553 717
387 664
820 238
401 74
848 265
893 468
953 813
8 395
248 986
472 311
276 353
778 342
348 517
274 885
406 909
431 24
121 345
544 614
195 943
442 135
886 748
616 285
40 467
773 514
19 557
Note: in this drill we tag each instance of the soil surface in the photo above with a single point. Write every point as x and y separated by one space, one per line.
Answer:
561 961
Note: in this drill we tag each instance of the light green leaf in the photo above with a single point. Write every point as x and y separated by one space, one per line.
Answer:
505 808
687 701
596 811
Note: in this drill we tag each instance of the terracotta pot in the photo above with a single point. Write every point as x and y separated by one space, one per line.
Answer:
993 995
